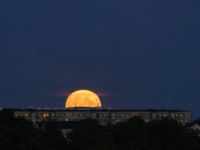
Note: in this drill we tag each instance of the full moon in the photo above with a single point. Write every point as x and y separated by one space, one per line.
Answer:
83 98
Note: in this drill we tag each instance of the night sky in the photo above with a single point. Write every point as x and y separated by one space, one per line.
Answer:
136 54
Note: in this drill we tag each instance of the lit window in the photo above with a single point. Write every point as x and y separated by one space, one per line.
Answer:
164 115
154 115
45 115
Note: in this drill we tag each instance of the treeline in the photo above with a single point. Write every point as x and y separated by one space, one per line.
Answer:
135 134
20 134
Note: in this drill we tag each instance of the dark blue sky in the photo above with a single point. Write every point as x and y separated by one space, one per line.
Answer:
134 53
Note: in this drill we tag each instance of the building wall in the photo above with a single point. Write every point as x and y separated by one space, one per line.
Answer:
103 116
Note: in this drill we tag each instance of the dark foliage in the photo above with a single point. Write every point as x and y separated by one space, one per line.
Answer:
163 134
135 134
89 135
129 134
20 134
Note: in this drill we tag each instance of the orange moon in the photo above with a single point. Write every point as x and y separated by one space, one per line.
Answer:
83 98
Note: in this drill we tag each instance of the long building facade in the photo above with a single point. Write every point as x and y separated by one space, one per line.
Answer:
104 116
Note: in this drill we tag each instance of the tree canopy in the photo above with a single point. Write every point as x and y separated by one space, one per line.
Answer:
135 134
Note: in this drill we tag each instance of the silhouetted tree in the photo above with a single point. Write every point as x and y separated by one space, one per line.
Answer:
135 134
129 134
20 134
89 135
168 134
164 134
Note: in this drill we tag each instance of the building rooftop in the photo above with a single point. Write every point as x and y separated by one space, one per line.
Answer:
99 110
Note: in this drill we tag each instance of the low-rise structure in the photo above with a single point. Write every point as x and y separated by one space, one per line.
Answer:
104 116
